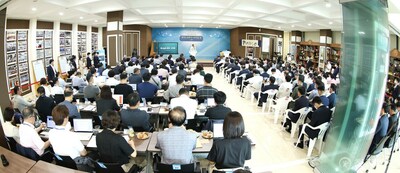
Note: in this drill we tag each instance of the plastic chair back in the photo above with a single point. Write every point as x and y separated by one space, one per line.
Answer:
12 144
65 161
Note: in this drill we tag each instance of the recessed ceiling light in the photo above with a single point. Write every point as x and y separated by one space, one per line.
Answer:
309 24
328 5
279 27
81 17
95 21
61 13
34 9
292 26
330 23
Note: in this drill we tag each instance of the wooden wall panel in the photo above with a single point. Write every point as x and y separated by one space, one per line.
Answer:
66 26
17 24
95 29
45 25
82 28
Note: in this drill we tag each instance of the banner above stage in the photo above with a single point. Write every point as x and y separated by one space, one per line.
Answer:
250 43
190 38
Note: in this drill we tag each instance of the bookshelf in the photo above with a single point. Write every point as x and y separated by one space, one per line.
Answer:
17 60
394 70
308 49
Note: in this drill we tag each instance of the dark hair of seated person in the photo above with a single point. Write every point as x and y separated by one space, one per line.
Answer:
123 75
208 78
111 74
133 99
219 97
154 72
317 100
16 89
110 119
8 114
105 92
146 77
41 90
183 91
43 81
271 80
233 126
59 113
179 78
177 116
301 90
68 92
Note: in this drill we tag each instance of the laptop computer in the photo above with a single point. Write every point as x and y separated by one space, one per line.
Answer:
210 102
50 123
119 98
83 125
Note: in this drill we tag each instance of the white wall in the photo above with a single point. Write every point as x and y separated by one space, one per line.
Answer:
337 37
286 43
311 35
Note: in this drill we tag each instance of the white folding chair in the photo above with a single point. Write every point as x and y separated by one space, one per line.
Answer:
303 114
236 78
280 107
270 98
322 130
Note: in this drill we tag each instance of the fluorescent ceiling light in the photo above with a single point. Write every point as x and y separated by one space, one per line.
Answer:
328 5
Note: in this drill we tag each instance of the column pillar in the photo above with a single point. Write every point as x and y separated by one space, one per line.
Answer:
5 101
364 69
114 37
74 40
295 40
325 38
89 39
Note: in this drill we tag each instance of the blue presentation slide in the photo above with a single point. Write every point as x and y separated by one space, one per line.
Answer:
208 41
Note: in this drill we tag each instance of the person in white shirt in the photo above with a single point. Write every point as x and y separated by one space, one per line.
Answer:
254 84
61 81
163 72
172 78
56 89
105 72
197 78
78 81
130 68
190 105
44 84
28 134
10 130
19 101
285 88
111 81
65 142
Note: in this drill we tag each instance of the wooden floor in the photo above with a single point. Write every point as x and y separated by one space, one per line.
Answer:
274 150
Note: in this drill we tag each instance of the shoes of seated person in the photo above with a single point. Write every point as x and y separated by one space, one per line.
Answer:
288 130
259 105
300 145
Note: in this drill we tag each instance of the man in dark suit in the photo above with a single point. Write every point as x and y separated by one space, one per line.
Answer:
44 105
309 63
219 111
88 61
51 72
271 86
96 59
396 90
133 116
320 116
332 96
381 129
243 71
301 102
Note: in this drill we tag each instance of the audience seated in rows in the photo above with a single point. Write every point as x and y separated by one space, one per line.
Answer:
91 92
9 125
19 101
219 111
146 89
123 87
301 102
173 90
44 104
207 91
135 78
72 109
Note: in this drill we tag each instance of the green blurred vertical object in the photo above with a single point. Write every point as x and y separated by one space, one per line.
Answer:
364 68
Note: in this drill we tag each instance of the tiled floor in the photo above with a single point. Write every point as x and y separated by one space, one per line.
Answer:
274 150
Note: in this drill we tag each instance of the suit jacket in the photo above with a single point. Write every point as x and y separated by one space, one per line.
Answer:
396 92
269 87
217 112
44 106
96 61
332 100
318 117
300 103
381 129
50 73
88 62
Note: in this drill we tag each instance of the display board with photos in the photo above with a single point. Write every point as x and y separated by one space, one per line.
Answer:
82 42
94 41
44 45
17 60
65 44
